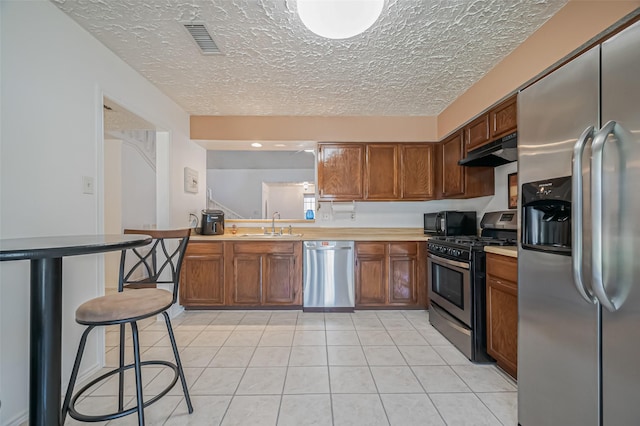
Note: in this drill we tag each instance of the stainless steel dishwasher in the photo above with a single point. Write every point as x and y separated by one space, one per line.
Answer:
328 276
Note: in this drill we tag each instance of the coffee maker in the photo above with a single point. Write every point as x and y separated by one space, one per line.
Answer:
212 222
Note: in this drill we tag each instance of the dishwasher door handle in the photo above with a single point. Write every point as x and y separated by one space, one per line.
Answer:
327 248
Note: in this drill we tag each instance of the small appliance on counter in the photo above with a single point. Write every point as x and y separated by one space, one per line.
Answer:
450 222
212 222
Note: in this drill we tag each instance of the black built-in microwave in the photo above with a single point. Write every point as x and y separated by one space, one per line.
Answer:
450 222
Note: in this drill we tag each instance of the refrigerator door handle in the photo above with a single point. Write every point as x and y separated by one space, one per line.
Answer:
577 217
597 171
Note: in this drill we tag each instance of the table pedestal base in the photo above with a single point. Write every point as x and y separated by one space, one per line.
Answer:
46 341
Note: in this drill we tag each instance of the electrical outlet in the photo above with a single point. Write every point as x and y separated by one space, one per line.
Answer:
326 216
87 185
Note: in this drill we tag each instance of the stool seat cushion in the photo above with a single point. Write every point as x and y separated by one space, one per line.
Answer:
123 306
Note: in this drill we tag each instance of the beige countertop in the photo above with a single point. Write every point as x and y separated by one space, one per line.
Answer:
511 251
310 234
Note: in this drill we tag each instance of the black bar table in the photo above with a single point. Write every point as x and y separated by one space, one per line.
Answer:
45 346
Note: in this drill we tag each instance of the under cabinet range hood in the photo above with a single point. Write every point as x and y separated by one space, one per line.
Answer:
493 154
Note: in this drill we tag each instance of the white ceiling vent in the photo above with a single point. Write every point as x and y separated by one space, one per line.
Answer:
202 38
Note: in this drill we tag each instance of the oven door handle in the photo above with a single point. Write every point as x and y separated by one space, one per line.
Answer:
437 259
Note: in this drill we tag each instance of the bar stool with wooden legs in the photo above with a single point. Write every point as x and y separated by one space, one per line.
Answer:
157 263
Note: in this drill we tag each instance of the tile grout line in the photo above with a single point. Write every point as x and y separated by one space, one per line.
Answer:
326 349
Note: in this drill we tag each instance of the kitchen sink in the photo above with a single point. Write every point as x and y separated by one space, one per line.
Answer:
270 235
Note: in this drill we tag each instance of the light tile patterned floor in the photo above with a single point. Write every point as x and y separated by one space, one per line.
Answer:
293 368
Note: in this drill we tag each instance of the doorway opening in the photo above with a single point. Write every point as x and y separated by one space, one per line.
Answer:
130 177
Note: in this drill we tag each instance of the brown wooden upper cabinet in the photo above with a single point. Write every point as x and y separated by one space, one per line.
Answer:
376 171
476 133
381 172
341 171
458 181
453 175
499 121
417 165
503 118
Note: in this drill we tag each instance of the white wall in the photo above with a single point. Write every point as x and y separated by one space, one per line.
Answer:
138 191
54 75
284 198
500 199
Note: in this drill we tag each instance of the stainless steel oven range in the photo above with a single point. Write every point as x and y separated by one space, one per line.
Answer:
456 276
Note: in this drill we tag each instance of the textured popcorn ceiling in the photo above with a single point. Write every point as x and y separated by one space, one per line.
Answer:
415 60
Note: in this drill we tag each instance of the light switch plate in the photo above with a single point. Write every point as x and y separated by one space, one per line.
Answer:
87 185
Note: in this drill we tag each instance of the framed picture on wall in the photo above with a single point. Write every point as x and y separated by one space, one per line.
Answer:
512 190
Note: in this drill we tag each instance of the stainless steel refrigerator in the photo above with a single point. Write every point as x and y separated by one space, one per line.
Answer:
579 244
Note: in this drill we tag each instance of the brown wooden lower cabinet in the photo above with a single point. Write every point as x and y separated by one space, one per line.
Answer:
242 274
260 273
244 279
283 283
502 311
254 274
390 274
202 275
371 274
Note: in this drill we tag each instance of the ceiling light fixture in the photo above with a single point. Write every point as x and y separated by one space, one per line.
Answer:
339 19
256 145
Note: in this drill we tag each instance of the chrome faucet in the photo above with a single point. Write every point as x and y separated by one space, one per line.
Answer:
273 222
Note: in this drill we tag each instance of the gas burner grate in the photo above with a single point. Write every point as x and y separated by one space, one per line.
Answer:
474 241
